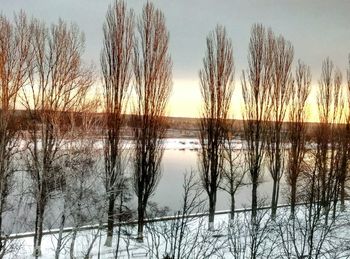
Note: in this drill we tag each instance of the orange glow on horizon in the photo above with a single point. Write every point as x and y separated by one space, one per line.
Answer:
185 100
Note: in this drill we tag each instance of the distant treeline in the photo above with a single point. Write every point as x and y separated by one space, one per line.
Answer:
21 119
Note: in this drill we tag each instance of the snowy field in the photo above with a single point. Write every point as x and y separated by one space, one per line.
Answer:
281 238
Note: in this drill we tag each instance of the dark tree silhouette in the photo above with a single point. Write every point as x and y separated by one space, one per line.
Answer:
152 68
116 63
281 86
58 82
14 59
234 170
216 82
256 83
297 129
345 144
330 110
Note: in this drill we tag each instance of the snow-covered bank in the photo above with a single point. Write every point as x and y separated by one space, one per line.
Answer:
230 239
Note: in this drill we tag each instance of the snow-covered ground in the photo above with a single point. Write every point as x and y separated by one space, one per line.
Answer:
281 238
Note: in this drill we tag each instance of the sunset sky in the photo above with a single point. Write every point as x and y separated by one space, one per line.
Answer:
317 29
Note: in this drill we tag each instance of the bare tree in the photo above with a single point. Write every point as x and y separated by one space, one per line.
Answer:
306 235
152 68
252 239
80 201
116 62
256 88
309 233
330 109
345 146
183 235
14 60
216 84
58 81
234 170
338 142
297 129
281 86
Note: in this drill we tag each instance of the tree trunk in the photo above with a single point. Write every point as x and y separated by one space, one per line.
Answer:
72 245
39 217
2 241
273 211
119 227
232 206
335 201
110 220
87 255
323 181
254 197
212 204
60 235
342 196
274 200
140 221
293 198
277 194
78 222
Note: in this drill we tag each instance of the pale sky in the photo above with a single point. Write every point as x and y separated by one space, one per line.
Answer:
317 29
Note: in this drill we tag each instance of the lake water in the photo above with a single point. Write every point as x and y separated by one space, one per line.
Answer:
180 156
